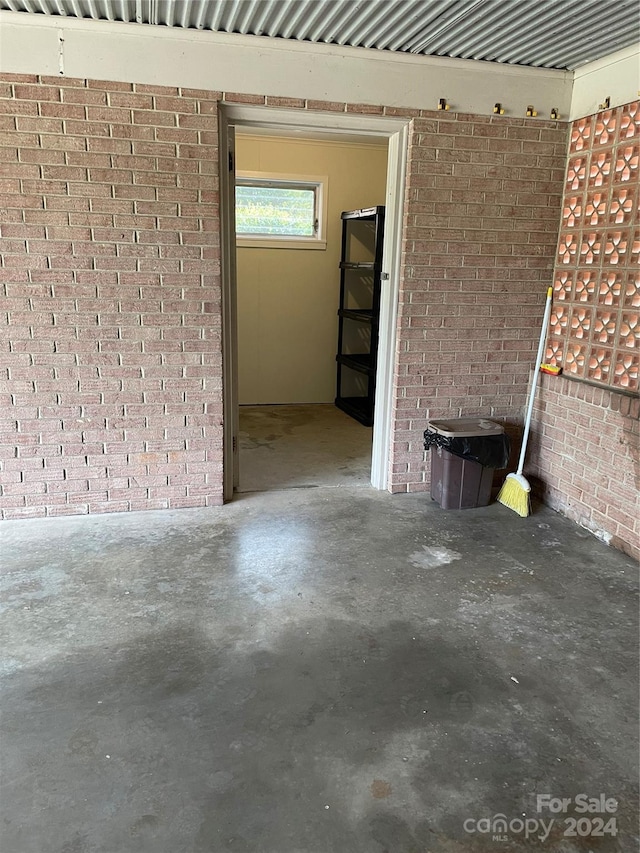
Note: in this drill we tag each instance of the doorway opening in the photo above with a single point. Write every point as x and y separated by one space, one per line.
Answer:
260 330
290 194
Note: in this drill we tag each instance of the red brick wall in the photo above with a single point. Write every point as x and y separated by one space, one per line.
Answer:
110 366
112 384
110 369
584 458
481 226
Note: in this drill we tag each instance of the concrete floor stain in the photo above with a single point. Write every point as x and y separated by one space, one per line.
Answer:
380 789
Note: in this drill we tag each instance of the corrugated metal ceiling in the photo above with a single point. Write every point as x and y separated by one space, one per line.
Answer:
561 34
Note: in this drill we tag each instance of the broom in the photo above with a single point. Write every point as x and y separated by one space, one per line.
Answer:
516 490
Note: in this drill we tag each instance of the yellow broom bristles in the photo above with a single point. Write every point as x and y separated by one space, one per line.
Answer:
515 494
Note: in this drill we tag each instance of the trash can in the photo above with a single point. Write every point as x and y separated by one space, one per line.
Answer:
464 453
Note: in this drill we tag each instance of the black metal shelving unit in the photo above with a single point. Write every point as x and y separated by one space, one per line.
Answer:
359 311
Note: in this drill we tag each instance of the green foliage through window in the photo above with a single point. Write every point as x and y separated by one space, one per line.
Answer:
275 211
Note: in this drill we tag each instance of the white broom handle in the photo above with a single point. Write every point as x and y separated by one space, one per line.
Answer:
534 381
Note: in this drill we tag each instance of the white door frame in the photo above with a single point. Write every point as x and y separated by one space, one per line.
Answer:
330 124
230 416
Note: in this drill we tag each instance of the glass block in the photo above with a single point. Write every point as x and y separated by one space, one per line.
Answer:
586 286
622 207
563 286
568 248
591 248
631 291
629 335
604 327
594 329
554 351
572 211
575 358
616 246
559 319
606 123
610 289
599 364
629 124
600 169
626 165
577 173
634 249
625 371
580 135
580 323
595 212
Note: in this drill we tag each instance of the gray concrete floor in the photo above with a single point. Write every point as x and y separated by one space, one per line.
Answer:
329 670
286 447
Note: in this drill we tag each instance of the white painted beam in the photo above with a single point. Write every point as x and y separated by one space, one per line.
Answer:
616 77
141 53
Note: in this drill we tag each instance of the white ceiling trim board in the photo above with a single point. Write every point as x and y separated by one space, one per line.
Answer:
616 77
106 50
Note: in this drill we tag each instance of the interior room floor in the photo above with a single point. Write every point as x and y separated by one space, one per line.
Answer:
316 671
287 447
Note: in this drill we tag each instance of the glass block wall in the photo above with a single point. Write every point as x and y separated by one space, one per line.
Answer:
595 322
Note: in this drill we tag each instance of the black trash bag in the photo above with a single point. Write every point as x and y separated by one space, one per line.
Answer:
490 451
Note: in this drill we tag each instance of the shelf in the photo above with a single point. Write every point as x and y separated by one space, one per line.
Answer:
360 284
363 213
357 407
362 362
362 265
361 315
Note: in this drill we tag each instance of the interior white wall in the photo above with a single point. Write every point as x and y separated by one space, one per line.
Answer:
616 77
104 50
288 298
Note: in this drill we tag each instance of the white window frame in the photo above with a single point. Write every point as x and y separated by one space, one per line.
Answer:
267 241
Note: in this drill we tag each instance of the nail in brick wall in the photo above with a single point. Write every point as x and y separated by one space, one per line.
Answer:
111 282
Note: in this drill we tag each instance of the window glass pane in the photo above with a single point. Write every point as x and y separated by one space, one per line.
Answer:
276 211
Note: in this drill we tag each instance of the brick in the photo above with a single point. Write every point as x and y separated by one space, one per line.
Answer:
327 106
38 124
110 176
174 104
84 128
26 512
104 506
401 112
154 118
81 95
130 131
365 109
38 155
10 77
286 103
15 108
36 93
176 135
153 149
241 98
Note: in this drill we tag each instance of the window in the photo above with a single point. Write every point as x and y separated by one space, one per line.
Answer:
280 211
